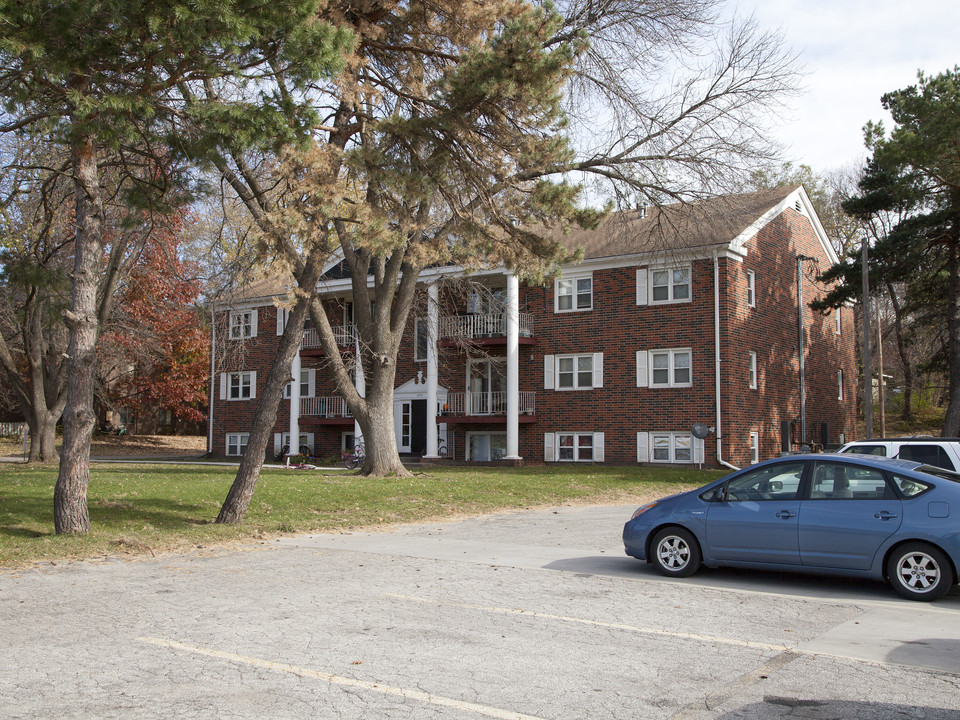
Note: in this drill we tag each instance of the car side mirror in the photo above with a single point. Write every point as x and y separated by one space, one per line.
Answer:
776 486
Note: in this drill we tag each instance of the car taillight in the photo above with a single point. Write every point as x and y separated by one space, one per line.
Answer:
643 508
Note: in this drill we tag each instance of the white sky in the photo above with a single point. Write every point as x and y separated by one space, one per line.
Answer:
853 52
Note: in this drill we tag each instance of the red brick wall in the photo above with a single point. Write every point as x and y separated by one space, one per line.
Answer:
618 327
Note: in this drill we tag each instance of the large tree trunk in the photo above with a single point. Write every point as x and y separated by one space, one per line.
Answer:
951 422
382 457
70 495
241 492
906 412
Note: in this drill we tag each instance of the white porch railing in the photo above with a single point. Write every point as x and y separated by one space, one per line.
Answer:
487 403
332 406
344 334
482 326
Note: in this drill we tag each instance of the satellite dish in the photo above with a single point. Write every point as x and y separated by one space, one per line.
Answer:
700 431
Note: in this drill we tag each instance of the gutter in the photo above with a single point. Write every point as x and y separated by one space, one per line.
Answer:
716 346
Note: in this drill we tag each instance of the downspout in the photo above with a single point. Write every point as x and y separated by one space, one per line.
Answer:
716 346
213 377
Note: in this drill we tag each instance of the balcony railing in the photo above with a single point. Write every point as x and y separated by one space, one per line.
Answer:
345 336
487 403
471 327
331 407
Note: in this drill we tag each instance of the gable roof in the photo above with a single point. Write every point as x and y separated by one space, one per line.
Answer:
677 227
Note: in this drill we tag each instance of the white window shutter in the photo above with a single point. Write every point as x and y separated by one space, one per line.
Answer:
548 372
598 446
280 323
698 450
223 386
641 286
549 447
643 377
253 322
643 443
253 384
311 382
598 370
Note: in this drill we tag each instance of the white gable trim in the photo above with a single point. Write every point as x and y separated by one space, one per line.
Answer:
798 195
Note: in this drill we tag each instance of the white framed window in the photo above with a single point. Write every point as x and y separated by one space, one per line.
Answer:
754 447
670 285
573 372
752 370
283 439
238 385
839 323
669 447
307 384
243 324
573 447
573 294
237 443
751 288
664 285
421 336
664 368
840 384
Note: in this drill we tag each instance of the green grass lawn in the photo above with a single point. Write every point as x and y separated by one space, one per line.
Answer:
144 509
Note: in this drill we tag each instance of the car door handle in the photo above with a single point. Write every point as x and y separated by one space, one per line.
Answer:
884 515
786 514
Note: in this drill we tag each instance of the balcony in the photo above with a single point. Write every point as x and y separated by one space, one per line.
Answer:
345 335
490 329
486 407
331 410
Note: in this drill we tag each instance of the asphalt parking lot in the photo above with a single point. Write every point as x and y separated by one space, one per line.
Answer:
522 615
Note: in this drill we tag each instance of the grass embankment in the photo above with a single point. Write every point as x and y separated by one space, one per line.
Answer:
145 509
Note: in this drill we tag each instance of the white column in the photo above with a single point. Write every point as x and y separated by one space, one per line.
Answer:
513 368
433 332
295 405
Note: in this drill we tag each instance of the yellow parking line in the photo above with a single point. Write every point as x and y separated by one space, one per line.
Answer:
407 693
598 623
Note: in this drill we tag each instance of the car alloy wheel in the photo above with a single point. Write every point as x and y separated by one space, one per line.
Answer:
920 572
676 552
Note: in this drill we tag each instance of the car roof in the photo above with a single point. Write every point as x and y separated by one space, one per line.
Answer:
877 461
911 438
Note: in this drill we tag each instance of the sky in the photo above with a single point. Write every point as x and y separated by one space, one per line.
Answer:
853 52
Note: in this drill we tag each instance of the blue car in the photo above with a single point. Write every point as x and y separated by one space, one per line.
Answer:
862 516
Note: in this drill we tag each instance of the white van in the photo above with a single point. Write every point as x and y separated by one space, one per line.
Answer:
940 452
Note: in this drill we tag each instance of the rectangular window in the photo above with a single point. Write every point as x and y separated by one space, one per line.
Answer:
754 448
237 443
242 324
751 288
240 386
670 285
421 338
838 320
304 385
672 447
752 372
575 372
839 384
670 368
575 447
574 294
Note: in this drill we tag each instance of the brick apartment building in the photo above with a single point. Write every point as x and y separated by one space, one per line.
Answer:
677 316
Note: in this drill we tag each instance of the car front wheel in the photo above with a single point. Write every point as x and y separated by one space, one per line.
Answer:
675 552
919 571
